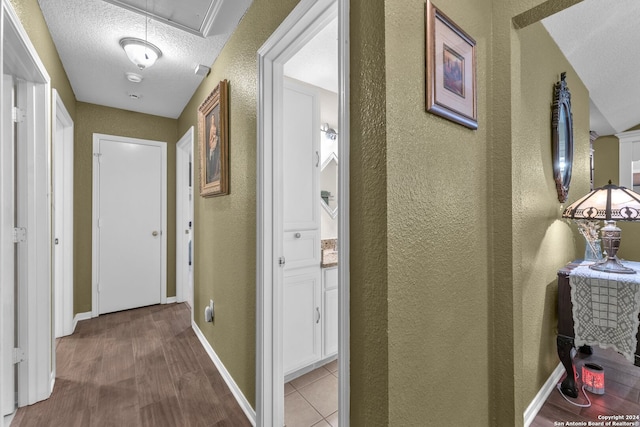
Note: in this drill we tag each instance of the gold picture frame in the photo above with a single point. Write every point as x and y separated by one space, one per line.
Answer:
450 69
213 137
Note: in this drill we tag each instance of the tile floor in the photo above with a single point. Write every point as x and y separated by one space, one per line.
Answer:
312 399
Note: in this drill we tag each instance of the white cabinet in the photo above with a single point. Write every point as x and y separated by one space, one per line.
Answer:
302 287
310 317
302 316
302 249
301 158
330 312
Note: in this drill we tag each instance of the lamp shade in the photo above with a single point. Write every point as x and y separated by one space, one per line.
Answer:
142 53
608 203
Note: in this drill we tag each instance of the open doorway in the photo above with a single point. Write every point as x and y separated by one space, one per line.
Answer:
26 330
62 217
310 210
184 219
275 233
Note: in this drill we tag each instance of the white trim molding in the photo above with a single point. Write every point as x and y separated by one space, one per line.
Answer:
33 184
546 390
80 317
228 379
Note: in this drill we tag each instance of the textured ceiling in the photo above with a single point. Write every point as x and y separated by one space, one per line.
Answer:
87 34
600 40
316 62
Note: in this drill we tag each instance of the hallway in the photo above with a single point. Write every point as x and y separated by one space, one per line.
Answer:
142 367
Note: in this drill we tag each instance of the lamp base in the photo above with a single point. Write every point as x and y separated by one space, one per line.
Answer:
612 265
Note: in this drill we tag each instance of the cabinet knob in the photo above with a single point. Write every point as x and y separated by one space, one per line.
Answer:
297 235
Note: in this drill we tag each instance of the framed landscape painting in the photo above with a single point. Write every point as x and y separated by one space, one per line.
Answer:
450 70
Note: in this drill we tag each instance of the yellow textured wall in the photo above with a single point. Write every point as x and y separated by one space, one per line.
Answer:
543 242
92 119
606 160
442 305
437 201
528 240
225 227
30 16
368 220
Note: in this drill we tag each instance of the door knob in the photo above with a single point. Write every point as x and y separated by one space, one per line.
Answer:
154 233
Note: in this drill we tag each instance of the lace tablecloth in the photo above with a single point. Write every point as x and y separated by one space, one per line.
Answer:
606 307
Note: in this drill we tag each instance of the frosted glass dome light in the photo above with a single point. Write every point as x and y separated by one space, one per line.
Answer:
142 53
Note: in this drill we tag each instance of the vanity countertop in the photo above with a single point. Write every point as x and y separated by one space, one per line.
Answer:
329 258
329 248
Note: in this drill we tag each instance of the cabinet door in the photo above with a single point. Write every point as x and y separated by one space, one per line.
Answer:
330 323
302 317
302 249
301 158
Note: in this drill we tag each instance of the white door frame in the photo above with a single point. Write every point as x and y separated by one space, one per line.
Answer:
19 58
299 27
184 213
95 309
63 215
7 252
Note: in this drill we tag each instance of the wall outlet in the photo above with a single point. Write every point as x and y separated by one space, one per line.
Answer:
208 312
213 313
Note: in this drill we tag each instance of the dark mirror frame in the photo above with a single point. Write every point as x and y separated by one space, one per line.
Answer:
562 149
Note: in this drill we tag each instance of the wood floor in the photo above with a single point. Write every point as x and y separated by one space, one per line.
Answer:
622 395
142 367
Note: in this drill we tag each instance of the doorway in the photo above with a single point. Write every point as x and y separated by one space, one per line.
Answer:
184 219
25 221
129 219
304 22
62 217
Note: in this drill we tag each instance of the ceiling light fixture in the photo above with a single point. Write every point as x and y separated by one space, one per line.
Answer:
142 53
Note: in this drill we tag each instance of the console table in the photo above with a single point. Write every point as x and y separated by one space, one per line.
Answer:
566 334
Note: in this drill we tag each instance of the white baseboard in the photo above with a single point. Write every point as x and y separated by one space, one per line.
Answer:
537 402
171 300
237 393
9 418
78 317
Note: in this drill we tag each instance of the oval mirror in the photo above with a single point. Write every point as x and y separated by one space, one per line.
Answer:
562 132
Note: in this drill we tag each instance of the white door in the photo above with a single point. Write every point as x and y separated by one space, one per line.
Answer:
7 253
62 218
129 223
184 218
